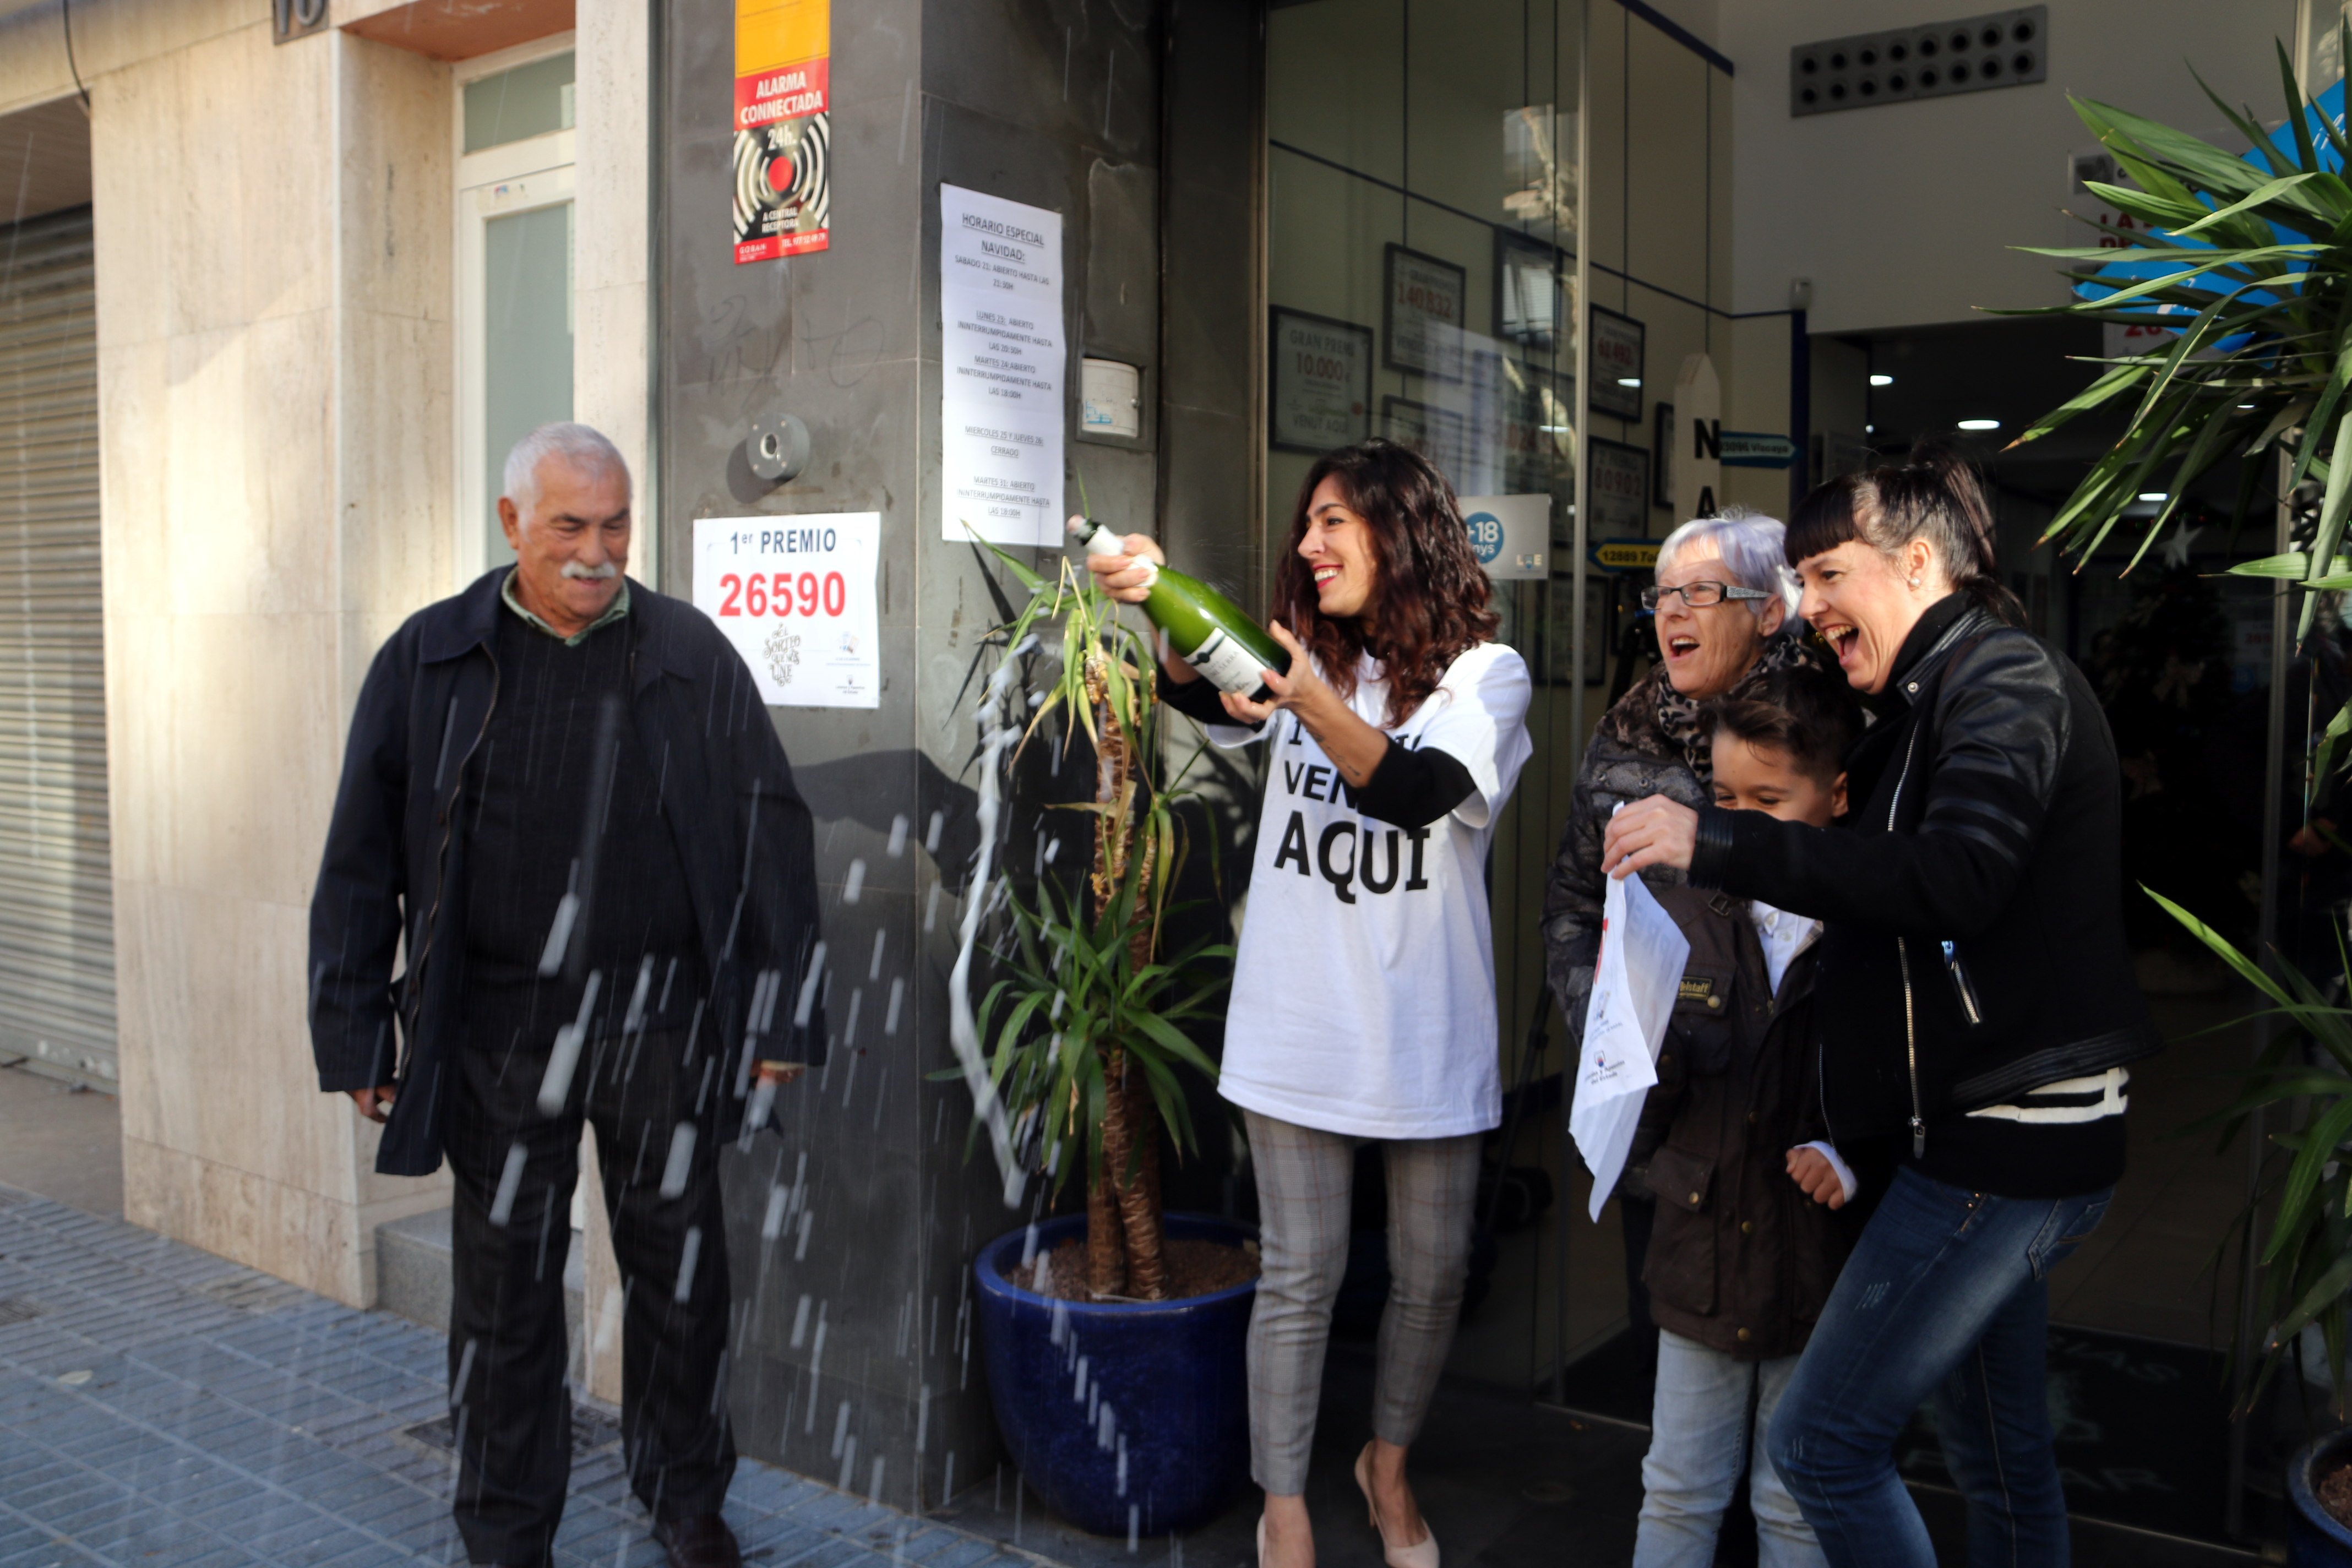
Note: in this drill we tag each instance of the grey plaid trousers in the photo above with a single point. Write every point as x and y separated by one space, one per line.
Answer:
1303 1187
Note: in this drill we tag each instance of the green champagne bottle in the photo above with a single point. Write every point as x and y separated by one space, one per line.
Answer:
1204 627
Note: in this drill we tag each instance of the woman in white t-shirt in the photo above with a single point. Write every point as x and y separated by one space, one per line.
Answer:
1364 998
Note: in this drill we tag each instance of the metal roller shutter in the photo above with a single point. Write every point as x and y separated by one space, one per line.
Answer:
57 900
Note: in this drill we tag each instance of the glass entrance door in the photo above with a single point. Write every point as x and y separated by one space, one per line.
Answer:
1498 230
1423 193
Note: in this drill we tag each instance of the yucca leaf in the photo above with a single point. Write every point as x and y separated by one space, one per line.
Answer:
2323 412
2332 738
2162 211
2107 387
2258 140
2221 948
1172 1040
2319 1146
2322 1293
2142 167
2270 191
2306 155
2331 524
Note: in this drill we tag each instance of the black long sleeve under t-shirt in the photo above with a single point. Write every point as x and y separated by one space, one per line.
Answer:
1408 788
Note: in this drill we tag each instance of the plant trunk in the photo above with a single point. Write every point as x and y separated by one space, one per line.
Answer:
1138 1194
1106 1232
1124 1236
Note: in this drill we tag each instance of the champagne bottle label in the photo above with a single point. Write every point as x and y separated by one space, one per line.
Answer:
1227 665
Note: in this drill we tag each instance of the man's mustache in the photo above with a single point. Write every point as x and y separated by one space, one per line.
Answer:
603 573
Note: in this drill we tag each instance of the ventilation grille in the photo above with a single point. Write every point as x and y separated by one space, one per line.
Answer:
1937 59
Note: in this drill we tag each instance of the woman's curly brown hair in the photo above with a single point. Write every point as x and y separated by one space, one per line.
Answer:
1432 596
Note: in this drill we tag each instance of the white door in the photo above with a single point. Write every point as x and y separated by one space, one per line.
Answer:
514 280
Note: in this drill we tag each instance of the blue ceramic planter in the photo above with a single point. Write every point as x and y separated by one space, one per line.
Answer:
1126 1419
2319 1541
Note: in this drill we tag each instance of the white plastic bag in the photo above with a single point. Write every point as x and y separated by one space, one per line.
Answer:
1642 957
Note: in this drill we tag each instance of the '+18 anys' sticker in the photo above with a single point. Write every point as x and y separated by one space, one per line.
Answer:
1486 536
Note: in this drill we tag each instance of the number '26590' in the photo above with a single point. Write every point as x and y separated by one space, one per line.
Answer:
773 592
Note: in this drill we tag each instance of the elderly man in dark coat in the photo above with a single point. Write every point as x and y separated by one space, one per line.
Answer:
564 808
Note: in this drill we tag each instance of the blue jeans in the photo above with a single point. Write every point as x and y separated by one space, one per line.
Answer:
1698 1443
1947 1296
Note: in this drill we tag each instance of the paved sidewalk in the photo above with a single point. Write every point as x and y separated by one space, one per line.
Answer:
160 1406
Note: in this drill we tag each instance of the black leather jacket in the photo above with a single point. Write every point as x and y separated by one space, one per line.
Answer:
1974 946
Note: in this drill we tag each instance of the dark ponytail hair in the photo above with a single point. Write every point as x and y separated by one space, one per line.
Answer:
1935 496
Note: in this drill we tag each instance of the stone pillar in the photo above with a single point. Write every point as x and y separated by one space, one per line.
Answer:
855 1355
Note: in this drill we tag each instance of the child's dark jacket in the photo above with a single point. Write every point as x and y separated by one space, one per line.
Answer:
1741 1260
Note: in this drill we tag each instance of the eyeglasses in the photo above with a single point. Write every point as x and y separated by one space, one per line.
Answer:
1701 596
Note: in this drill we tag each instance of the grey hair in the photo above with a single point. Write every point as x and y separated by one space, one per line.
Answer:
1750 546
583 446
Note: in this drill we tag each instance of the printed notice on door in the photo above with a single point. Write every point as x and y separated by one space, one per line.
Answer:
796 595
1003 371
783 127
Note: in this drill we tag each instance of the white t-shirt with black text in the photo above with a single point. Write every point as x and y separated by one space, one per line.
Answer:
1363 998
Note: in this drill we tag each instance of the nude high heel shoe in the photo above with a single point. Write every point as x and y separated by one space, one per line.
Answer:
1422 1554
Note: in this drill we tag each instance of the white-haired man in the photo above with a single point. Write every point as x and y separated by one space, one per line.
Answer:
565 804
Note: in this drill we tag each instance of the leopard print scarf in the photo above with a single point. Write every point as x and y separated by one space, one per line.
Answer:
1655 718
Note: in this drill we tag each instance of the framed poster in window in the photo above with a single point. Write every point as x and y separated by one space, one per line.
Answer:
1437 434
1559 629
1539 427
1529 299
1614 385
1321 372
1420 314
1619 486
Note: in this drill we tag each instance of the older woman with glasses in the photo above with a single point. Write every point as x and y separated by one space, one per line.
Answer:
1724 598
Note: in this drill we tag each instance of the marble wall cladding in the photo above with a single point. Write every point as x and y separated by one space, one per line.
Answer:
395 161
275 370
395 471
247 453
178 215
290 1231
210 1067
612 363
109 37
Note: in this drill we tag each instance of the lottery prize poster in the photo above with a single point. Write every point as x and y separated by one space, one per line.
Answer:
784 120
796 595
1004 371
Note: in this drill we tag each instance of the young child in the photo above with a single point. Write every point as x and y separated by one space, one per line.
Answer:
1748 1241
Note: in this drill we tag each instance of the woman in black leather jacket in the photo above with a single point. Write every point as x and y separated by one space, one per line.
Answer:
1974 1001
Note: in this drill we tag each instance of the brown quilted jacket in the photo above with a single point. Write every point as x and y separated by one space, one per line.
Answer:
1741 1259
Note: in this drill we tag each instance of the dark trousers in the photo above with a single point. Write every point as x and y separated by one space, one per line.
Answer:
508 1348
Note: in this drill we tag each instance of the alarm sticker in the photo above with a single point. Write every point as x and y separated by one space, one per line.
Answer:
783 127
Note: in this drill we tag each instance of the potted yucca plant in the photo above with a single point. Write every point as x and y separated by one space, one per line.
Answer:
1114 1337
2249 258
